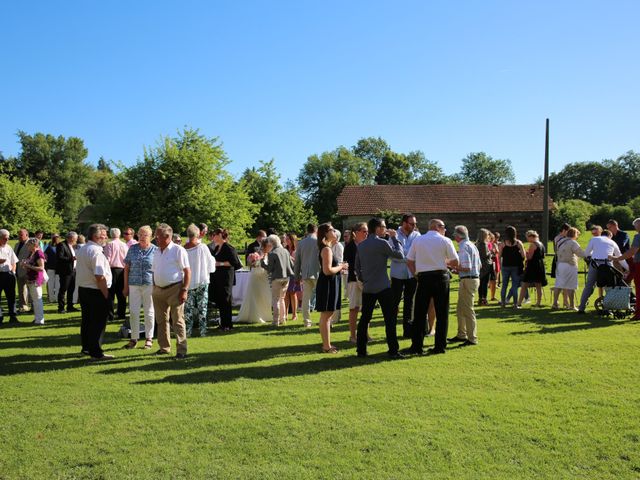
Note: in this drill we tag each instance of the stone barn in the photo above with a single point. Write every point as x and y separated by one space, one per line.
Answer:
476 206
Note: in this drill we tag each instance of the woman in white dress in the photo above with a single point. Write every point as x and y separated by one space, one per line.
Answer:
256 306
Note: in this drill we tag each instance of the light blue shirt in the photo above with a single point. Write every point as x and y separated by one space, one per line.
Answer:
469 258
399 267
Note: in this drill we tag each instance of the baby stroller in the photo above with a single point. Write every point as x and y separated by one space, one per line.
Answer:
618 300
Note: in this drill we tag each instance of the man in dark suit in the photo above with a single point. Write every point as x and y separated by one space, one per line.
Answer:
65 269
253 247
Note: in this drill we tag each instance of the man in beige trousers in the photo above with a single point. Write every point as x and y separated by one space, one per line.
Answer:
171 277
469 270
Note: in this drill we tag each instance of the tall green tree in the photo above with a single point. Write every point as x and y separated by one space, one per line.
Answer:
281 208
588 181
323 177
25 204
394 169
58 164
182 180
481 169
424 171
371 149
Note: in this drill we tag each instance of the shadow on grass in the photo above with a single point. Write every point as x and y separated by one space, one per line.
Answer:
18 364
289 369
209 359
551 321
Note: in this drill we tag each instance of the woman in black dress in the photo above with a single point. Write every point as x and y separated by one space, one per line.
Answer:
227 262
328 285
534 272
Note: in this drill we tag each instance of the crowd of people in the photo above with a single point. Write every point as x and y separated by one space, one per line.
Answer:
181 288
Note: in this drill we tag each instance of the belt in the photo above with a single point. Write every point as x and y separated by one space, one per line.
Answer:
470 277
168 286
433 272
598 260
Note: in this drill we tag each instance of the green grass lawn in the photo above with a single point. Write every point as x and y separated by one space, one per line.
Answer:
546 394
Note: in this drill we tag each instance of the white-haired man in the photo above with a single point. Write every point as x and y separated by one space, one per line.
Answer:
469 271
171 279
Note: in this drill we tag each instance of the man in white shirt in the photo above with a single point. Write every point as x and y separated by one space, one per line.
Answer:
599 248
93 277
8 262
171 278
430 257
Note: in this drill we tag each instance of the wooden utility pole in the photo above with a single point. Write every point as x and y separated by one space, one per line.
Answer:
545 199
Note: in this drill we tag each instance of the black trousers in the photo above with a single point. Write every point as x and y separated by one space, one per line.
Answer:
220 290
408 287
67 287
8 286
385 297
95 309
117 285
431 285
485 276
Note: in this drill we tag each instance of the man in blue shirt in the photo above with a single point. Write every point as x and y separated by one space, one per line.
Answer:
402 280
469 270
619 236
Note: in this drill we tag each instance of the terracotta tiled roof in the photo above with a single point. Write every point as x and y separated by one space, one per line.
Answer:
368 199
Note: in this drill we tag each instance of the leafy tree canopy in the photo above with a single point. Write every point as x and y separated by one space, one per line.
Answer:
281 207
24 204
182 180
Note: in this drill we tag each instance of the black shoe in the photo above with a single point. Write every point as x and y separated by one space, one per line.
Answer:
161 352
411 351
396 356
84 352
456 339
61 310
362 354
581 312
71 309
468 343
13 320
433 351
181 356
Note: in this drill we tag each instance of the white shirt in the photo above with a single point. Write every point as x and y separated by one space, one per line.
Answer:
91 261
431 251
9 255
168 265
599 248
201 263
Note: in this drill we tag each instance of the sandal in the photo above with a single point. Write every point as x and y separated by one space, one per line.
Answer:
331 349
130 345
148 344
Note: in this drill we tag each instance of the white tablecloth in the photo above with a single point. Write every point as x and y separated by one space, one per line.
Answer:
240 288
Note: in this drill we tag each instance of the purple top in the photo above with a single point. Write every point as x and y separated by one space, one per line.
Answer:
35 276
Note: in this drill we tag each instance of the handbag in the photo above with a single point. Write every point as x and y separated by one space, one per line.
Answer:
617 298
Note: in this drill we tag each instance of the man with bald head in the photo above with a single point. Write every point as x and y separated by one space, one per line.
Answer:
430 257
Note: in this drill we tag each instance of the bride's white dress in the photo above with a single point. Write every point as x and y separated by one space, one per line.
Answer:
256 307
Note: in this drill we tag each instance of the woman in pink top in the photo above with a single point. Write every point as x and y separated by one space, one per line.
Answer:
34 266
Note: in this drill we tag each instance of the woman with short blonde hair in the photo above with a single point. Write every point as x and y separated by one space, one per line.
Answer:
138 286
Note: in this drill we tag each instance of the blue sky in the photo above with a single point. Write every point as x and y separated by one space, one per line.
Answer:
286 79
